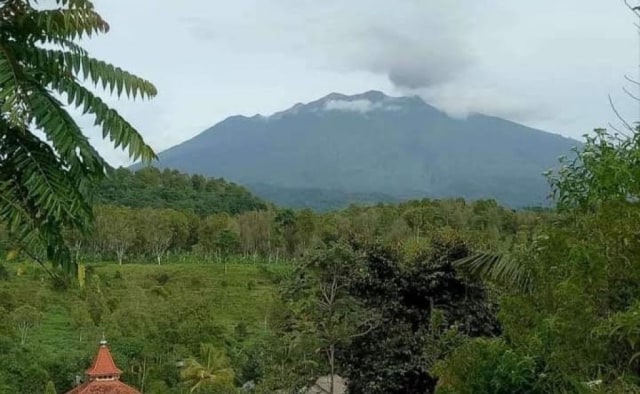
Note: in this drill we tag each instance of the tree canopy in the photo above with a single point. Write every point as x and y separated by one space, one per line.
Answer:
153 188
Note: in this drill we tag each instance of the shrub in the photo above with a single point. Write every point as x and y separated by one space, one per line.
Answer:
487 366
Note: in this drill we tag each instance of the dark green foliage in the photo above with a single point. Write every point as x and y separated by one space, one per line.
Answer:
152 188
286 227
574 327
417 302
606 169
488 366
320 200
227 243
4 273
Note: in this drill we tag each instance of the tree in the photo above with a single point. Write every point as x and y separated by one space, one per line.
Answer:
25 318
155 231
80 319
116 229
209 232
423 304
43 186
227 242
323 306
416 218
211 370
286 228
256 230
51 388
306 225
575 328
604 170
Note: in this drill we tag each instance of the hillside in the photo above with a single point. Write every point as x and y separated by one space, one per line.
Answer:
375 144
322 200
151 188
149 315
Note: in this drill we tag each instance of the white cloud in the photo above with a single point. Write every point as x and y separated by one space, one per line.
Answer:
361 105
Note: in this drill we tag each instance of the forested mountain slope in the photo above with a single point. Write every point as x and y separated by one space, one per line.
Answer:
373 144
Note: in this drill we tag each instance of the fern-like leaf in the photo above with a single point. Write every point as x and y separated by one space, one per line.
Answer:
43 184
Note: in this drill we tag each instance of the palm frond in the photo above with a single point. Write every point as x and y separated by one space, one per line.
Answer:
500 268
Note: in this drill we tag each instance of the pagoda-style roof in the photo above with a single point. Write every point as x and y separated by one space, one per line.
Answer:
103 365
104 376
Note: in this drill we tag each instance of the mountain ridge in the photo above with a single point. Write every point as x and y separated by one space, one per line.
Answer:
376 144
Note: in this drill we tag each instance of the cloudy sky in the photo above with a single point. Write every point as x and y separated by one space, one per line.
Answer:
549 64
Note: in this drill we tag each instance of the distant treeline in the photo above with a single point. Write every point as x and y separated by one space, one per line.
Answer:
128 234
153 188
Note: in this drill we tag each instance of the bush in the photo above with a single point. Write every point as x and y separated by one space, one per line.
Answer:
4 273
487 366
162 278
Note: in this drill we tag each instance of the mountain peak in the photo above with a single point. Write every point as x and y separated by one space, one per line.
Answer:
361 102
374 143
371 95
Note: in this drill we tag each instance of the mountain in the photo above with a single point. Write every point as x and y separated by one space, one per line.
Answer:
374 145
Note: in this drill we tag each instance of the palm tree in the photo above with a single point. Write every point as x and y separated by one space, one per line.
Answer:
44 181
212 370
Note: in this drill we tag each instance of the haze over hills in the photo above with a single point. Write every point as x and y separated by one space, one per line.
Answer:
371 147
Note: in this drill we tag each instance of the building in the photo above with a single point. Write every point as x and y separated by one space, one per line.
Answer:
104 376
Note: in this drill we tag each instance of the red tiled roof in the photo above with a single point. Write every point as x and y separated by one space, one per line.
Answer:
104 387
104 376
103 364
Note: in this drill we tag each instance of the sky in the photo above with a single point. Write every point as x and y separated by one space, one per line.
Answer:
547 64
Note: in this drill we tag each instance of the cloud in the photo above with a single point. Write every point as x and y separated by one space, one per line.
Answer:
409 58
362 106
415 44
424 48
499 101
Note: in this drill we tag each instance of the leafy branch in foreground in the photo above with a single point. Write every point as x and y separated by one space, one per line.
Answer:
44 181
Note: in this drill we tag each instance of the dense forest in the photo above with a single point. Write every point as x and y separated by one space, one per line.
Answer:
230 286
152 188
425 296
126 234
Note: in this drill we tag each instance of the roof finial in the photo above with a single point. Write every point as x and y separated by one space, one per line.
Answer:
103 341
